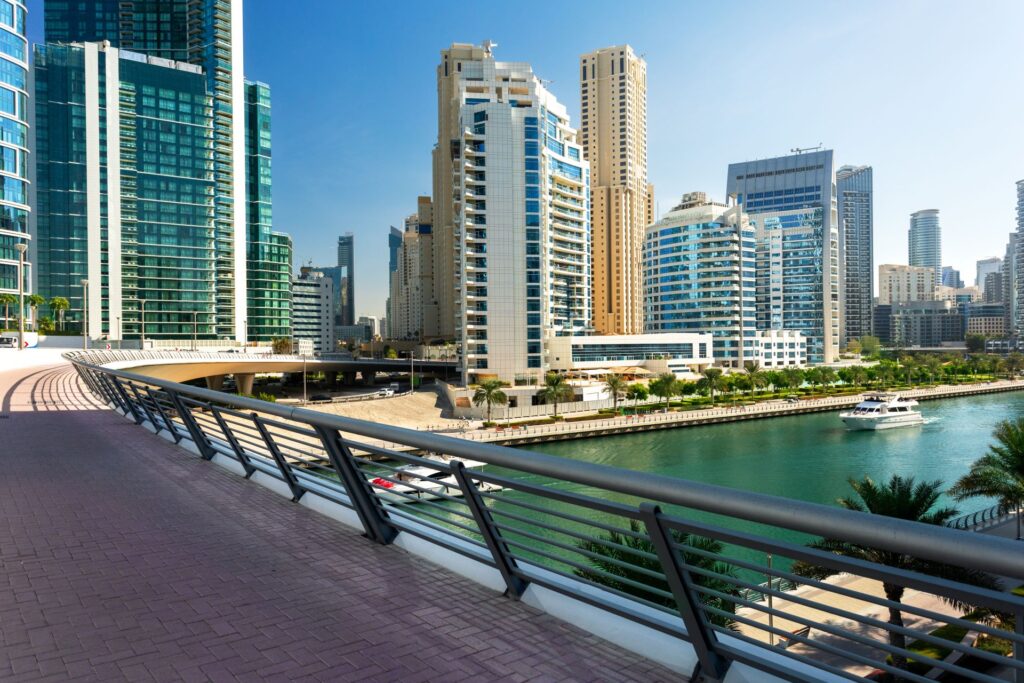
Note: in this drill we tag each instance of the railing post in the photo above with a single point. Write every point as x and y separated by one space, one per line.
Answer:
136 415
206 451
163 415
365 501
1018 647
243 459
711 666
101 388
282 464
503 559
145 408
115 396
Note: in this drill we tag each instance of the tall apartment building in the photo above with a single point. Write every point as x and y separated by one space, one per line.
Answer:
924 242
984 267
791 202
346 261
191 47
519 206
613 131
699 276
951 277
1010 271
412 313
899 284
855 194
394 247
313 310
14 144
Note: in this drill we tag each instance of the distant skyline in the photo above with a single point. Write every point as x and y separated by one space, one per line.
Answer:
918 90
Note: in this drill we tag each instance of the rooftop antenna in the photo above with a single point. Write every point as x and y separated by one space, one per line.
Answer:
801 150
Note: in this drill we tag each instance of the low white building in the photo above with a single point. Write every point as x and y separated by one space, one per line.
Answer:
780 349
682 353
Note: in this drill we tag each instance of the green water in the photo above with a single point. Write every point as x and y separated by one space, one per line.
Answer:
809 457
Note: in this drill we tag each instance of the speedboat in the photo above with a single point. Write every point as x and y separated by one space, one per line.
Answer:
413 483
882 411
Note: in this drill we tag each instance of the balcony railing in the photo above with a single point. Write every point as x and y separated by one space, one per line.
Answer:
631 544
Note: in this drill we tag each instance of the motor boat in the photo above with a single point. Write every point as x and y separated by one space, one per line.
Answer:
413 483
882 411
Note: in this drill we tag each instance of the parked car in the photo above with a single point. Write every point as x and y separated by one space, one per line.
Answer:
386 392
320 397
9 342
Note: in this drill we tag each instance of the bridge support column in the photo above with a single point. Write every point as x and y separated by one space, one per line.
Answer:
331 378
348 378
368 377
243 380
215 382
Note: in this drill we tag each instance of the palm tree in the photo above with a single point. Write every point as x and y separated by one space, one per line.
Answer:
34 302
711 380
663 386
1000 472
489 392
902 498
1014 363
616 386
7 300
58 305
616 549
752 367
555 390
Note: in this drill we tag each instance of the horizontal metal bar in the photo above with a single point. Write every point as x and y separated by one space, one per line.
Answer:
626 512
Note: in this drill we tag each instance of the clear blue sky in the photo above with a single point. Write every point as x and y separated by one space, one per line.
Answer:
928 93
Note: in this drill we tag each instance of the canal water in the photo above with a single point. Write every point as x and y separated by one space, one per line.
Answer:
807 457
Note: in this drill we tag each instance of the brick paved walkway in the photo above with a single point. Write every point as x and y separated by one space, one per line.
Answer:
123 557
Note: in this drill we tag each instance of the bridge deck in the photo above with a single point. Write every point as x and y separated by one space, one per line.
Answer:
124 557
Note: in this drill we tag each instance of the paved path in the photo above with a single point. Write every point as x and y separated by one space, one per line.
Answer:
123 557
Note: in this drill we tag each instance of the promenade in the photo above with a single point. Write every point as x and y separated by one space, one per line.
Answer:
123 557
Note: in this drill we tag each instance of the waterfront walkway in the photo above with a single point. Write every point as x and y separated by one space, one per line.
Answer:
123 557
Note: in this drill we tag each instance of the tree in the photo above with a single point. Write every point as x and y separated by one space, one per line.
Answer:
792 377
1014 363
616 549
281 345
7 300
489 391
854 347
45 324
555 390
712 381
636 393
58 305
616 386
1000 472
391 353
34 302
975 343
751 367
902 498
813 376
858 375
870 346
662 386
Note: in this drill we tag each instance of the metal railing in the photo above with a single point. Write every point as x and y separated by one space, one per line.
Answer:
679 557
983 519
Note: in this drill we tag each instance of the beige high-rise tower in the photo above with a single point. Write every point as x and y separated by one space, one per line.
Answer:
613 130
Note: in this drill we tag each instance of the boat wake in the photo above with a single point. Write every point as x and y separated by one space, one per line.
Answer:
932 420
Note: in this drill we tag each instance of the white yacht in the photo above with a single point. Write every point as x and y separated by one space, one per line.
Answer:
413 483
882 411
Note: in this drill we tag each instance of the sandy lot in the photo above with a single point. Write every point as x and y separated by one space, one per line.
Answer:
421 410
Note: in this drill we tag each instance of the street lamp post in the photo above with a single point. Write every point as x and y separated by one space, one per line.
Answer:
412 371
245 340
85 314
303 379
21 247
195 330
142 324
118 333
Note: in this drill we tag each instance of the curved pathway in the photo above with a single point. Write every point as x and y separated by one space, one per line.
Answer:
123 557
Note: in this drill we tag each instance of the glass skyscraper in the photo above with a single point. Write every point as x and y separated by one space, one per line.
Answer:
247 264
792 205
14 188
924 241
855 196
699 276
347 295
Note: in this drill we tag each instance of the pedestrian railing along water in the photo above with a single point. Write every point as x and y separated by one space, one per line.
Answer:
669 555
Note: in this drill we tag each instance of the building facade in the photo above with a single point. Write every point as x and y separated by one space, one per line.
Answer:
792 204
522 188
699 276
992 292
14 145
927 324
394 248
855 195
413 313
951 277
984 267
681 353
208 36
774 349
613 131
1011 293
924 242
347 295
313 310
899 284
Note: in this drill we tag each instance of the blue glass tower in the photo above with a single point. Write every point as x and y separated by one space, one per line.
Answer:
14 188
856 228
792 204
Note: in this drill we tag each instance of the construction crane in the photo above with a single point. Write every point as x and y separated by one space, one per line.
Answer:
801 150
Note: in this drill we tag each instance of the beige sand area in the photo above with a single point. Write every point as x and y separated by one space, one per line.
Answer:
424 409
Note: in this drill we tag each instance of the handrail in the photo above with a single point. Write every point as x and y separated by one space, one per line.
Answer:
604 539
